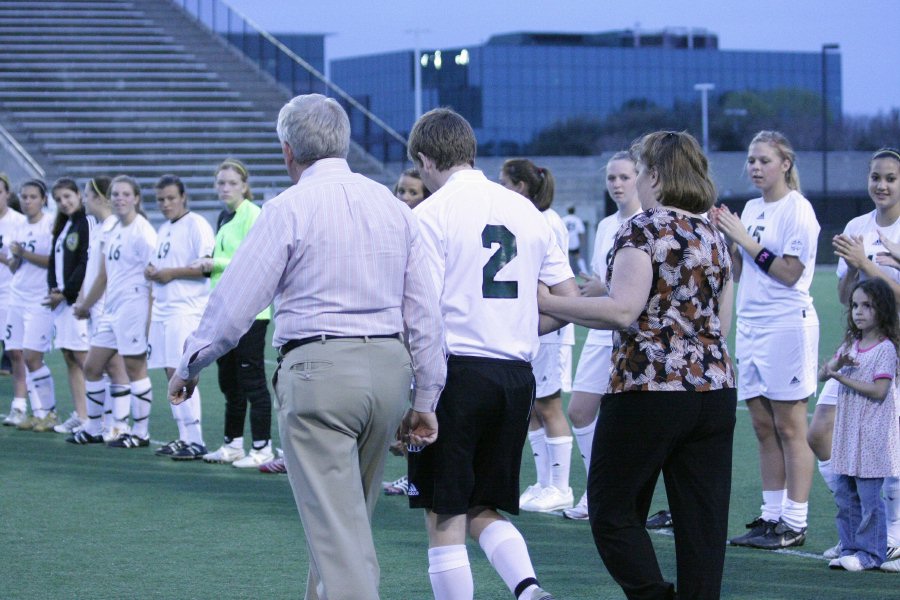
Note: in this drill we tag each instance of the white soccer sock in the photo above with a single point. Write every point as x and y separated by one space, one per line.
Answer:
96 399
450 573
237 443
19 404
772 502
828 474
794 513
584 437
43 398
891 492
121 405
141 403
505 549
177 411
188 417
538 441
559 450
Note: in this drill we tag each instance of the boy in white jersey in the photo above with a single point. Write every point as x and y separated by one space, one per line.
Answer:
29 325
180 293
487 249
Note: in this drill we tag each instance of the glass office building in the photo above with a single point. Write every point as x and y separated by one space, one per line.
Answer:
518 84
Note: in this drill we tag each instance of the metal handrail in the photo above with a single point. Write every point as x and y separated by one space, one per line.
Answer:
29 160
298 60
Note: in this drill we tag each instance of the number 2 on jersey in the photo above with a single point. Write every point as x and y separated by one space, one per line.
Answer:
498 234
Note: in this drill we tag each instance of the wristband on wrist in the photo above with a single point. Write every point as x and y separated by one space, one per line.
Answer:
764 259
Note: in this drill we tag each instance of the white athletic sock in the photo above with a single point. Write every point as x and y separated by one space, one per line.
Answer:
794 513
828 474
450 573
188 417
891 492
237 443
96 399
505 549
584 437
121 405
141 403
177 411
19 404
559 450
43 392
772 502
538 441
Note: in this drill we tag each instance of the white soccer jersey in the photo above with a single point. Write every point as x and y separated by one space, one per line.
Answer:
787 227
98 234
179 244
566 335
127 252
29 282
575 227
487 248
8 226
866 227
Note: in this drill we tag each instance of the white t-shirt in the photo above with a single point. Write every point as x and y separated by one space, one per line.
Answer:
29 282
787 227
487 248
566 335
603 245
575 227
865 226
98 234
8 226
178 245
127 252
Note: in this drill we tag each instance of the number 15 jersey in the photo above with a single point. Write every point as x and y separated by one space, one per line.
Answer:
487 248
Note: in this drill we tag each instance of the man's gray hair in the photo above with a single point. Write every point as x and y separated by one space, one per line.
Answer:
315 127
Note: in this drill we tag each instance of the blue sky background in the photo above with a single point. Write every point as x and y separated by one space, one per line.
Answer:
867 30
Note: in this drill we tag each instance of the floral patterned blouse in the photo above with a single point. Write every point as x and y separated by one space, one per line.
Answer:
677 343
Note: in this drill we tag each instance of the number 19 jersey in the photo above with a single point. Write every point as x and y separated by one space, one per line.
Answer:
487 247
178 245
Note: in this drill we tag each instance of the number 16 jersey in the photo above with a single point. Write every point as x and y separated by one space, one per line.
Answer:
128 251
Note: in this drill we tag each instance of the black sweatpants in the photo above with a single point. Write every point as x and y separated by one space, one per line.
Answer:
242 378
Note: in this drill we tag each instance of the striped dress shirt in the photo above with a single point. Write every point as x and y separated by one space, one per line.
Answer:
340 255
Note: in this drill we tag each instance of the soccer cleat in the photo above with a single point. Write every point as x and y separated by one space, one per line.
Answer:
891 566
15 417
660 520
46 424
83 437
400 487
538 594
192 451
579 512
529 494
550 499
851 562
757 527
255 458
893 553
274 466
833 552
224 455
27 424
72 424
781 536
128 440
115 432
170 448
835 563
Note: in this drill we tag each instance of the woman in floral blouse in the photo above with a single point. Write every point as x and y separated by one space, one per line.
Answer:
670 404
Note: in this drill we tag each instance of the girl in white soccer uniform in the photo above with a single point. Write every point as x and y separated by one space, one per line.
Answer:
774 248
864 252
10 220
128 249
29 324
65 275
180 292
100 401
549 434
592 373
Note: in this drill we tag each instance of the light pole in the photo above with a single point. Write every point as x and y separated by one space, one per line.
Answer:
704 89
417 74
825 49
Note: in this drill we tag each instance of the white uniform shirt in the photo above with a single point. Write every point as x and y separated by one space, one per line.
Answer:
178 245
98 234
566 335
865 226
487 248
29 282
575 227
603 245
8 226
787 227
128 251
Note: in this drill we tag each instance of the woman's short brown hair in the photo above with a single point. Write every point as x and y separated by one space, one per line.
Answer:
682 169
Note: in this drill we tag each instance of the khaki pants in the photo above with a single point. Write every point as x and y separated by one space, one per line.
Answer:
339 404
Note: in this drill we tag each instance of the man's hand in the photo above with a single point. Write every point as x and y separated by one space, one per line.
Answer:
419 428
180 390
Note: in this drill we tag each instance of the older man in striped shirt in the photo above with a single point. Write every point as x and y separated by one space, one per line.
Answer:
341 258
